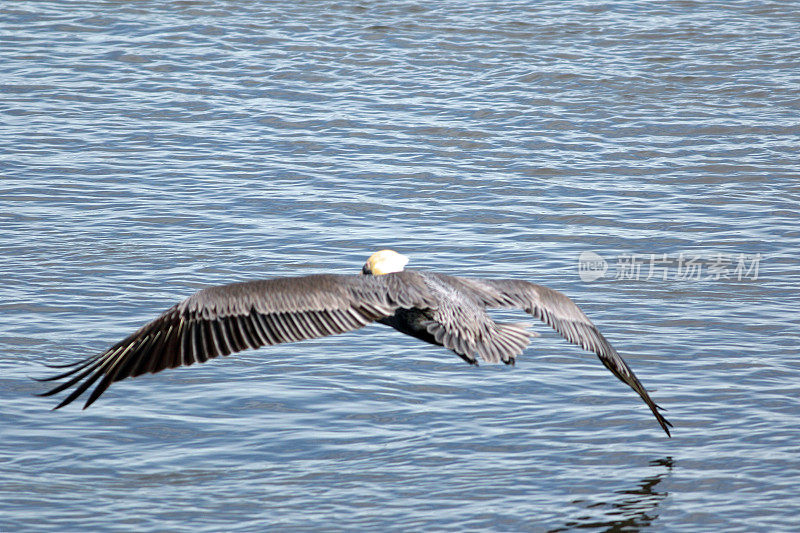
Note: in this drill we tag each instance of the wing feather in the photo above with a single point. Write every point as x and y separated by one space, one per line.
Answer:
221 320
460 323
563 315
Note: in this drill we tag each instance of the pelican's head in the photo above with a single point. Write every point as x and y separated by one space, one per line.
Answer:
384 262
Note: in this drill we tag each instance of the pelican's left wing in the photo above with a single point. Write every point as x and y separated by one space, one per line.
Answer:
222 320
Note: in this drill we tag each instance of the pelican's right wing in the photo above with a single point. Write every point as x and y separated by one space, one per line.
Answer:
562 314
222 320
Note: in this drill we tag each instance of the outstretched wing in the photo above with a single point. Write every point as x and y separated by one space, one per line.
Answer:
563 315
230 318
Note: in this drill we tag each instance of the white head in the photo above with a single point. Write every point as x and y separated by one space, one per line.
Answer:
384 262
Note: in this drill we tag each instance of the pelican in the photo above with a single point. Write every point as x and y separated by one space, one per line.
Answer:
439 309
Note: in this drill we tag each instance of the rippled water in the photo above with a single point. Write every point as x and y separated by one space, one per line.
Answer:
150 149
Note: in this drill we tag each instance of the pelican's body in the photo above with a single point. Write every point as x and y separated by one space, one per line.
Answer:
444 310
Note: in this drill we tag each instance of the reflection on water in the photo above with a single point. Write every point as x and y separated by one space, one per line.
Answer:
624 510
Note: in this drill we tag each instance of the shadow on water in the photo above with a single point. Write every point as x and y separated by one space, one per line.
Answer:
624 510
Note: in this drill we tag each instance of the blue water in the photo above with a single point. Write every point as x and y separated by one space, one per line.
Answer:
150 149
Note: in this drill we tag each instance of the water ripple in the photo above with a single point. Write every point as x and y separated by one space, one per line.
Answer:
151 150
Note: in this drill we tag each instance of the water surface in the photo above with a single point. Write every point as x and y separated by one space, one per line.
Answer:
149 150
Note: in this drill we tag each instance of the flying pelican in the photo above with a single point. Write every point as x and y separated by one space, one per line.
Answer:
442 310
